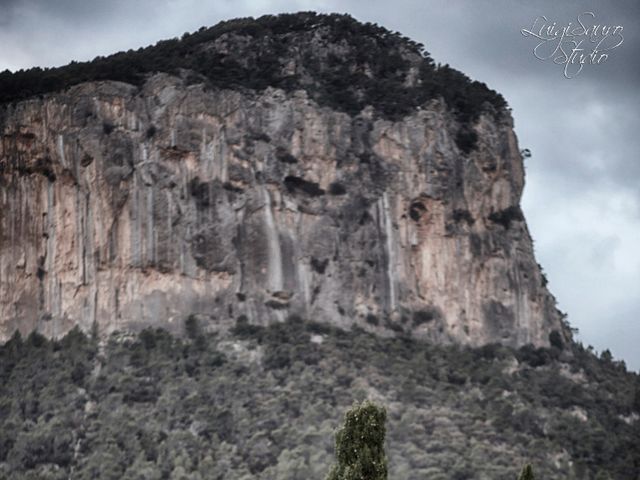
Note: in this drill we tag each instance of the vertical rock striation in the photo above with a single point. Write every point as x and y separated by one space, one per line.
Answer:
132 207
129 206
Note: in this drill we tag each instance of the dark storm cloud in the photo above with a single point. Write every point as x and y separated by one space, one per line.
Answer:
582 198
5 5
66 9
6 12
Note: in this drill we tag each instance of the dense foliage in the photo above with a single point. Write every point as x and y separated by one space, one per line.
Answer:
341 62
263 403
360 445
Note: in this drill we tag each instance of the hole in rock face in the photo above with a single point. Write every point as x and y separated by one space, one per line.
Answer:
284 156
86 160
416 210
200 191
107 128
466 140
426 315
364 157
337 188
40 273
319 265
260 137
463 215
506 216
365 218
297 184
276 305
44 167
372 319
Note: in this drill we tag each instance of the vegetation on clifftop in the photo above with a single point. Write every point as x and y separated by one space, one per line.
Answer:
341 62
263 403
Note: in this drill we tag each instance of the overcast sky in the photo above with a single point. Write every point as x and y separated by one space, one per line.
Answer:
582 198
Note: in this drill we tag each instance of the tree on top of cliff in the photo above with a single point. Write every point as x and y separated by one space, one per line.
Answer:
360 445
340 62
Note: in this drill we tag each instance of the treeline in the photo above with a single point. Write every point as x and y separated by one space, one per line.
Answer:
373 72
264 402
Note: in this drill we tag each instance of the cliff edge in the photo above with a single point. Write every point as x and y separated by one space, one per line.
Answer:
295 165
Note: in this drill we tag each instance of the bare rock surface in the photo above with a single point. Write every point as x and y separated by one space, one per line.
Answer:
132 207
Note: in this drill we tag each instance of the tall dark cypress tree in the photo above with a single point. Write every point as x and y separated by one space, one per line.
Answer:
527 473
360 445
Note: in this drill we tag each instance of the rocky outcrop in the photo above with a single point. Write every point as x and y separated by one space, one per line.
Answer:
128 207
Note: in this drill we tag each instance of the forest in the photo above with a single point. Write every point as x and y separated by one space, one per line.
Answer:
264 403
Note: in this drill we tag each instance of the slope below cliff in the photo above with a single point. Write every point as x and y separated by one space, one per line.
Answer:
294 172
264 403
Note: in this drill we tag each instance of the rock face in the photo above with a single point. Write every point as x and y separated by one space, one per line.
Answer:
128 207
131 208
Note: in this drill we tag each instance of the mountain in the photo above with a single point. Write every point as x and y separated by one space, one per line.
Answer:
295 165
211 247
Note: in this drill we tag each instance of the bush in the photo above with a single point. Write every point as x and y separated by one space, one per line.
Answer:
527 473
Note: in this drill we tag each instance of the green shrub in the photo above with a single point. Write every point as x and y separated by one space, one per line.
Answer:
527 473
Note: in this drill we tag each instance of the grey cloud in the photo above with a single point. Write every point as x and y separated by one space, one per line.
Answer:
65 9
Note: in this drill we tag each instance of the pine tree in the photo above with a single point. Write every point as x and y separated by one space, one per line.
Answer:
527 473
636 399
360 445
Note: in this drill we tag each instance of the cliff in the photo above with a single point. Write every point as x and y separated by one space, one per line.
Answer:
126 205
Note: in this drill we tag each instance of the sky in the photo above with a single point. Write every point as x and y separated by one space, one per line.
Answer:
582 194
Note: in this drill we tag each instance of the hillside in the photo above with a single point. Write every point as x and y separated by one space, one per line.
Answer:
264 403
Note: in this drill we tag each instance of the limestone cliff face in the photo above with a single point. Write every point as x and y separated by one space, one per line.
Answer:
131 207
